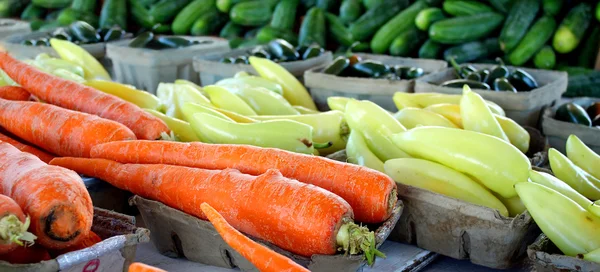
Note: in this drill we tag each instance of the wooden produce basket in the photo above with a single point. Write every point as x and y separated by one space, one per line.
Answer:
547 258
558 131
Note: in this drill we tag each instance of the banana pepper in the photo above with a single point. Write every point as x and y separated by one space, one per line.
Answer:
476 116
182 130
251 82
517 135
191 84
357 152
423 100
263 101
71 52
303 110
338 103
450 111
583 156
577 178
413 117
222 98
51 64
190 109
128 93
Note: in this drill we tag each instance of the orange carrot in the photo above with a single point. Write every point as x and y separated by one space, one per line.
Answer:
298 217
60 131
45 157
140 267
26 255
88 241
55 198
13 226
263 258
371 194
14 93
74 96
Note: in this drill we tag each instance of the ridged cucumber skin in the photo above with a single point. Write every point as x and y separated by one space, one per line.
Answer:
521 16
407 42
464 29
338 31
537 36
350 11
312 29
374 18
114 12
430 50
182 24
572 28
284 15
252 13
472 50
465 8
393 28
165 10
501 5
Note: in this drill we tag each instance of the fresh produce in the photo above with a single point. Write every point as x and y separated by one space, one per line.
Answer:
359 153
380 43
224 99
114 13
251 13
449 111
151 41
573 113
407 42
208 23
583 84
517 135
344 67
545 58
471 51
182 24
140 267
88 241
43 156
55 198
465 28
552 7
128 93
593 256
338 31
540 32
15 225
79 32
262 257
430 50
422 100
312 29
371 194
233 193
60 92
521 16
559 186
577 178
372 20
182 130
14 93
76 55
476 116
465 8
571 29
284 15
583 156
278 50
499 78
350 10
27 255
414 117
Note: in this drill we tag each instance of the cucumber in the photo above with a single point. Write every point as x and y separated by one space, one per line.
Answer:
84 5
51 16
84 32
32 12
226 5
328 5
587 85
161 29
182 24
407 42
68 16
312 29
427 17
472 50
89 17
284 15
374 18
165 10
50 25
598 12
208 23
269 33
360 47
465 29
369 4
534 40
430 50
140 15
520 17
545 58
114 12
231 30
338 31
589 50
399 24
465 8
501 5
350 11
36 24
552 7
51 4
253 13
571 29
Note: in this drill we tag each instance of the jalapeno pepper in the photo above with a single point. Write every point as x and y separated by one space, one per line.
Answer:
241 60
573 113
462 71
593 110
498 71
283 50
370 68
338 65
358 152
502 84
459 83
484 74
312 51
414 72
523 81
474 76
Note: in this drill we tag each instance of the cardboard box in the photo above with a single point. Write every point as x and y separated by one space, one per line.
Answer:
547 258
380 91
9 27
146 68
177 234
558 131
115 253
523 107
211 70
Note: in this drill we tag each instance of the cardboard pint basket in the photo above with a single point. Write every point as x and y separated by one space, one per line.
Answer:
380 91
177 234
211 70
547 258
9 27
146 68
558 131
523 107
116 252
13 45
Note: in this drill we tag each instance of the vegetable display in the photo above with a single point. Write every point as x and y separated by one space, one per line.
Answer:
151 41
14 226
279 50
79 32
355 66
576 114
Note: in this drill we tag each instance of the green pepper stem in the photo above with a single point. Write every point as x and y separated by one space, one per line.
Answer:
500 61
455 65
322 145
13 230
354 239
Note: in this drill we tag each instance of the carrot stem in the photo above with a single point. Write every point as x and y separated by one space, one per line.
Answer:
12 229
355 239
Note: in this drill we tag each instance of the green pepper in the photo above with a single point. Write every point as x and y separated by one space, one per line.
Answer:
502 84
241 60
226 60
370 68
359 153
459 83
523 81
338 65
283 50
572 113
173 41
312 51
42 42
462 71
498 71
113 34
283 134
261 53
484 74
142 40
102 31
28 42
414 72
401 71
474 76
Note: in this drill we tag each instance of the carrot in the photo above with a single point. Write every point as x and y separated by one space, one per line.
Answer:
14 93
74 96
140 267
297 217
60 131
13 226
263 258
45 157
88 241
371 194
26 255
55 198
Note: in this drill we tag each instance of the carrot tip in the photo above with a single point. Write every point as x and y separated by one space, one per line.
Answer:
354 239
13 230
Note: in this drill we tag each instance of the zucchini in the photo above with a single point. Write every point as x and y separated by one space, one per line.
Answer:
231 30
165 10
350 11
545 58
520 17
430 50
32 12
407 42
208 23
501 5
534 40
252 13
84 32
338 31
312 29
139 12
51 4
374 18
589 50
226 5
114 12
269 33
472 50
84 5
403 22
182 24
552 7
284 15
571 29
465 8
587 85
465 29
427 17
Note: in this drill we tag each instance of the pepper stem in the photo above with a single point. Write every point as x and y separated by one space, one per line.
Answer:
455 65
354 239
13 230
500 61
322 145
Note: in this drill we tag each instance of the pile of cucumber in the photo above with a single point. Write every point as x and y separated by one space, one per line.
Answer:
576 114
279 50
355 66
79 32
